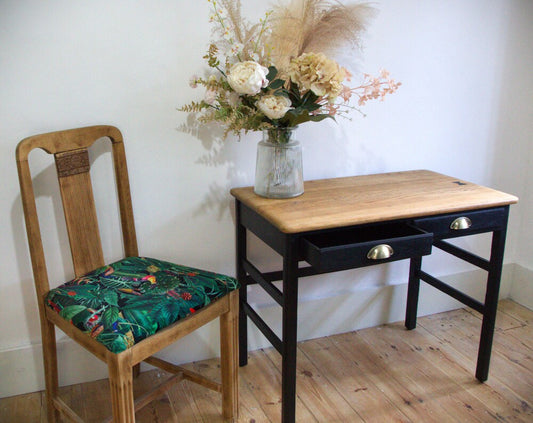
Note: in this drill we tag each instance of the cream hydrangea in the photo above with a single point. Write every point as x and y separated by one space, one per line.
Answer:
274 106
315 72
248 77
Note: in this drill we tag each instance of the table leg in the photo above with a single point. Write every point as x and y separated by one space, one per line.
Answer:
290 317
243 292
491 304
412 292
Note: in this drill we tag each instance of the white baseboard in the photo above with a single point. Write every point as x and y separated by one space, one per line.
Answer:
522 288
22 369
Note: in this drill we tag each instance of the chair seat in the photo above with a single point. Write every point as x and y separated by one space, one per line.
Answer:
125 302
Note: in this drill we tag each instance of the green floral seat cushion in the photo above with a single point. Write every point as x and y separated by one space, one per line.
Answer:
127 301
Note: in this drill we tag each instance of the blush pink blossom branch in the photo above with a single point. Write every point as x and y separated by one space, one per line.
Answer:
372 88
375 87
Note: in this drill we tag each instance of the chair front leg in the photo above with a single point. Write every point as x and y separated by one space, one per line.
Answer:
121 384
229 359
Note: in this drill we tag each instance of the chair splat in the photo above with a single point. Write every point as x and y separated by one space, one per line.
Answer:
80 212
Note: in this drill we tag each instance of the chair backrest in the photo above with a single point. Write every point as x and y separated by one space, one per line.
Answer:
70 150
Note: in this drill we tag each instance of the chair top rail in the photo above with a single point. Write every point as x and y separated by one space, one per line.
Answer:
67 140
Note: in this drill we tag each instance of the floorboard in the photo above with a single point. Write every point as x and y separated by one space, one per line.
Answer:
381 374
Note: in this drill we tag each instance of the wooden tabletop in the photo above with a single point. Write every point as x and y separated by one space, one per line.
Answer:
338 202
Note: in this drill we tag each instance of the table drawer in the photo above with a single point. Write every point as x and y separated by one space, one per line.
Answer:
364 246
460 224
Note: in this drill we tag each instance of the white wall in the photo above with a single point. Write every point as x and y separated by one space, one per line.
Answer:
464 109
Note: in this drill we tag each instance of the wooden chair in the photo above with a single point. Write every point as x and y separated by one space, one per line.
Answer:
160 287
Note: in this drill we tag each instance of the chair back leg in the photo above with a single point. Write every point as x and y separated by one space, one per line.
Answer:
121 385
229 359
50 368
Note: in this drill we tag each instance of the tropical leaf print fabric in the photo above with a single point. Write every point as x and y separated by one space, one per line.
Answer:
127 301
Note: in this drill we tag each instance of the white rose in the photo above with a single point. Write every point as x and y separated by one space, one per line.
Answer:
274 106
248 77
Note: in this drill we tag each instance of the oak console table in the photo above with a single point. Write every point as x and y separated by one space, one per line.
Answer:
352 222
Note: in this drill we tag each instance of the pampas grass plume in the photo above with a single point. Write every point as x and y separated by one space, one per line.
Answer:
317 26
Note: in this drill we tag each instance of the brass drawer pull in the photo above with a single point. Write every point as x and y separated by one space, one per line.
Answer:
461 223
380 252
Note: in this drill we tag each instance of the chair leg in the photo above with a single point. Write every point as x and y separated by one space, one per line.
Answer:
136 370
121 384
229 359
50 368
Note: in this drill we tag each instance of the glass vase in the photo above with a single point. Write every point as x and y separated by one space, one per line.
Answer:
278 171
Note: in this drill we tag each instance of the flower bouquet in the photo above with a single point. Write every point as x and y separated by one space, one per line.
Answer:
278 73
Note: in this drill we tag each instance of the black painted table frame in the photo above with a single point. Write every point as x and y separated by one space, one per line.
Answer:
288 245
493 266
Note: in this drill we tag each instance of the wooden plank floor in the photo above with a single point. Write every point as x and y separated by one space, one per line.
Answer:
383 374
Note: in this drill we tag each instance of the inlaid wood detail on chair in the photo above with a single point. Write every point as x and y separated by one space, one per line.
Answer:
72 163
126 311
